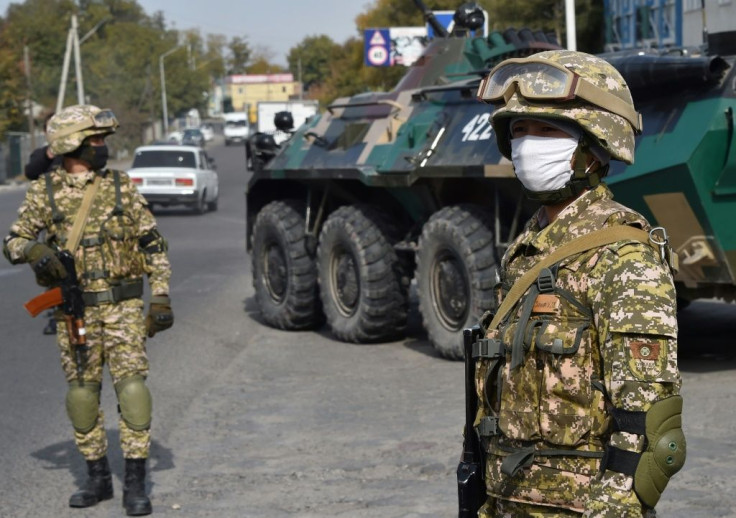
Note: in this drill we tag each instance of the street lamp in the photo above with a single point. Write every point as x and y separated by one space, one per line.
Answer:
163 87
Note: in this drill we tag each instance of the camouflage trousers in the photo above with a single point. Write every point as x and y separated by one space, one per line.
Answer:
497 508
116 337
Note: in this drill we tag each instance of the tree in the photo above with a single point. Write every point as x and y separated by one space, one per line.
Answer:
11 93
549 16
239 56
120 62
261 62
315 55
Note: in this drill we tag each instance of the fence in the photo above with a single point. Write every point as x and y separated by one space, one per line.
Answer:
14 153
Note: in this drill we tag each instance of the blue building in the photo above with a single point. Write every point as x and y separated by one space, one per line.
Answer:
665 23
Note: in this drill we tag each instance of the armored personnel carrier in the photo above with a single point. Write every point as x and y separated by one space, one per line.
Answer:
383 189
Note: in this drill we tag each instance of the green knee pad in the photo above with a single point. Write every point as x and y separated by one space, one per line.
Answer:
665 453
135 403
82 405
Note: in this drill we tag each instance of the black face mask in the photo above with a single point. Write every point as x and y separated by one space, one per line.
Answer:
95 156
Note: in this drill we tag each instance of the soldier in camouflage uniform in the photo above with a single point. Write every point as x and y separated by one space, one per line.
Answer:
119 243
579 412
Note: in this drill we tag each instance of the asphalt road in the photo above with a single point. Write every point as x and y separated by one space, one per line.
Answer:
255 422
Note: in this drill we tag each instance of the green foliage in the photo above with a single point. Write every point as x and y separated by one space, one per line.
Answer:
121 55
261 62
239 56
120 62
316 53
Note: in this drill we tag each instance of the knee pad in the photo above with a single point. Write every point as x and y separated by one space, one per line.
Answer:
82 405
665 452
134 402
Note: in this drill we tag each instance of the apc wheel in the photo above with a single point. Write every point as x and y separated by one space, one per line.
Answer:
284 272
456 263
360 277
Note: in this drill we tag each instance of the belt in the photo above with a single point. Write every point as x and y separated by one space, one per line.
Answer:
127 289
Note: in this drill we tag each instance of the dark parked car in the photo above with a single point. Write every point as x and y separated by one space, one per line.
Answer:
193 137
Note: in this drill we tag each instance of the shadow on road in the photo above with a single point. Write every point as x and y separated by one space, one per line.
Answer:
178 210
706 337
65 456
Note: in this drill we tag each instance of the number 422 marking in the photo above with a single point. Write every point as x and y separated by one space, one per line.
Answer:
478 128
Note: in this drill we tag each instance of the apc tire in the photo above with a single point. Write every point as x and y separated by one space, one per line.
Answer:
284 272
360 277
456 265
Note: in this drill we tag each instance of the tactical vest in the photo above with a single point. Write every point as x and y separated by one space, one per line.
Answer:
538 376
108 259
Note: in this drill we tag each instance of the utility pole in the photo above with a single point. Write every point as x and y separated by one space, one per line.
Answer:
72 43
64 71
164 107
570 25
301 83
27 65
78 61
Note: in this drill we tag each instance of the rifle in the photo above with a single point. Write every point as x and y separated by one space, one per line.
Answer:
471 488
69 296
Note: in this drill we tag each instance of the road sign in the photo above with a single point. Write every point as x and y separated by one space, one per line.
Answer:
377 45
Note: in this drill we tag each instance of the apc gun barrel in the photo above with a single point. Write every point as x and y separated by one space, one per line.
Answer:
654 72
431 19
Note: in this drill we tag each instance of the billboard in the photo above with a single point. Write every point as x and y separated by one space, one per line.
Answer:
385 47
393 46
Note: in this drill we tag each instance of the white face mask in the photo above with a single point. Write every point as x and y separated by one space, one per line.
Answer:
543 163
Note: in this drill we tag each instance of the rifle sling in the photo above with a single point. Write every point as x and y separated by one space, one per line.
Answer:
76 232
595 239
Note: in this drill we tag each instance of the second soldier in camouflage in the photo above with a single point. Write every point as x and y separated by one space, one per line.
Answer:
118 244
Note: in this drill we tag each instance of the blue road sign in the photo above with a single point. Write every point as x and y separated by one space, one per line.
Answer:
377 45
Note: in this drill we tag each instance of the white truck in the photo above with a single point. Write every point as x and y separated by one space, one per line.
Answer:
300 111
237 128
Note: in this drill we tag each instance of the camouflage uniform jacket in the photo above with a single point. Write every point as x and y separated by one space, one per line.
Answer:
115 245
610 323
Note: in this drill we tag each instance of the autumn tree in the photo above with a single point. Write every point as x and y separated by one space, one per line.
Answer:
120 61
239 56
262 62
313 58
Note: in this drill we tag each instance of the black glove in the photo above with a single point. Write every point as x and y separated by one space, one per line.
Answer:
160 317
45 264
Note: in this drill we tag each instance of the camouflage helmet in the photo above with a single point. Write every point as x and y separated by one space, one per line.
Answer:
592 94
67 129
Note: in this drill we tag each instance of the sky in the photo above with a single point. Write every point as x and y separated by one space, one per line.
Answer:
276 24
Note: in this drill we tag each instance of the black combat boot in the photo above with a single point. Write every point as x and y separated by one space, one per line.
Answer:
98 486
135 501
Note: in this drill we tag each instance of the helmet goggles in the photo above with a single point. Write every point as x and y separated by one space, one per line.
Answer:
102 120
543 81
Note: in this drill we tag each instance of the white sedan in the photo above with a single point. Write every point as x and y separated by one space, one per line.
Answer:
176 175
207 131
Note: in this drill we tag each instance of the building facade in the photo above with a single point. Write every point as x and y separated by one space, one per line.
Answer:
666 23
246 90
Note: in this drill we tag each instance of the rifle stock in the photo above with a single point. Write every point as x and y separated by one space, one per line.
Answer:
46 300
69 297
471 487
